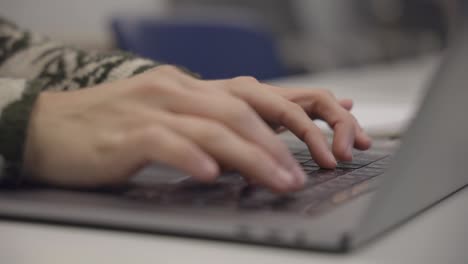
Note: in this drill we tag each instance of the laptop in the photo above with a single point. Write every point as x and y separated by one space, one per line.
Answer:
339 210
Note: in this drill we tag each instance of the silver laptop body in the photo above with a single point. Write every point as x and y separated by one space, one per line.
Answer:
427 168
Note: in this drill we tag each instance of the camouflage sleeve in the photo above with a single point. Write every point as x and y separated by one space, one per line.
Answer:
31 63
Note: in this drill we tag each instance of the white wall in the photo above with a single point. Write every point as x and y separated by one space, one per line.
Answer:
83 22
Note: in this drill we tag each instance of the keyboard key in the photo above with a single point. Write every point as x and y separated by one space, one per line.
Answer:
348 165
302 154
310 163
310 170
323 175
324 189
303 160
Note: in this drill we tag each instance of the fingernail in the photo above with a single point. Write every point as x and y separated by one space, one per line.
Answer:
285 178
301 178
210 168
331 159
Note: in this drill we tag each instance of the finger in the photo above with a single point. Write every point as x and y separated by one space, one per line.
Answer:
347 132
231 150
158 144
306 98
275 109
363 141
243 120
347 104
343 140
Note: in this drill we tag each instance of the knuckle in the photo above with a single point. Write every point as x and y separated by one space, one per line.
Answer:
113 139
243 106
295 108
325 94
155 86
257 156
349 119
146 90
148 87
149 135
289 110
239 111
345 119
211 131
344 116
310 130
166 69
254 155
108 143
245 79
279 150
241 84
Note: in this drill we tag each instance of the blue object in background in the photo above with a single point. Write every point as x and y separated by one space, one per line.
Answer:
213 50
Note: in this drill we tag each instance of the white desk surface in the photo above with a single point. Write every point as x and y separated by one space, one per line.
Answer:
439 235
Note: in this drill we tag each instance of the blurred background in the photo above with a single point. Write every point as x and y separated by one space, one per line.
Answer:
265 38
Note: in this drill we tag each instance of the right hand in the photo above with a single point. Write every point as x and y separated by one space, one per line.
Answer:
104 134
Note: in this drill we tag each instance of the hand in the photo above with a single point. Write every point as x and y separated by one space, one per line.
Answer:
102 135
321 104
295 113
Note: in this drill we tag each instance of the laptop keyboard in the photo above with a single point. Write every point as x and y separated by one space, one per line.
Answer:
324 188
